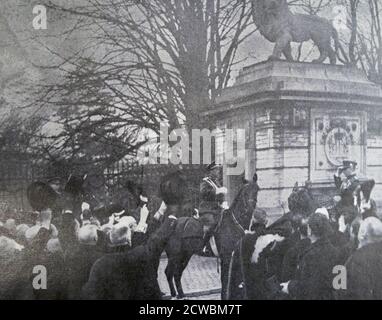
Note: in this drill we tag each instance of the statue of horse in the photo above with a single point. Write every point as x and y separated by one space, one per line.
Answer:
279 25
256 265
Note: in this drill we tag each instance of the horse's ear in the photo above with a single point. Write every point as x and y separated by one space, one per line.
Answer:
255 177
295 188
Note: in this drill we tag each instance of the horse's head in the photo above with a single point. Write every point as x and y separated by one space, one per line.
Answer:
301 203
173 189
245 202
136 190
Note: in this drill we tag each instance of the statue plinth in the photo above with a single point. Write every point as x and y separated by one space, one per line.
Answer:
302 120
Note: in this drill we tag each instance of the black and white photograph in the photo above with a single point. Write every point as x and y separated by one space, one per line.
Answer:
191 150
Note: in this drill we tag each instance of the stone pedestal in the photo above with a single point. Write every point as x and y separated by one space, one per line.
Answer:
302 120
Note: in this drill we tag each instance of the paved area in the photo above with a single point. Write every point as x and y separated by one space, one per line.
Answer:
215 296
200 280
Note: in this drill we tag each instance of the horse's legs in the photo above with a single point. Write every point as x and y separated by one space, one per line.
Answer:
169 271
179 268
225 262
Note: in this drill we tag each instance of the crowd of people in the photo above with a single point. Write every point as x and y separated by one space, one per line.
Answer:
327 253
116 256
67 245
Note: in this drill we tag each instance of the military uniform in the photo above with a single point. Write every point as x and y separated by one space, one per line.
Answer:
347 188
211 201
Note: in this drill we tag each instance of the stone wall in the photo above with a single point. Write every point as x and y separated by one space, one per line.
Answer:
304 119
374 154
282 155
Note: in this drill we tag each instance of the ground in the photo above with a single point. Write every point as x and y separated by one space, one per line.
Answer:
201 280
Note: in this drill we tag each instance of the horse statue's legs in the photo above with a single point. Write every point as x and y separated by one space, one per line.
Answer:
282 45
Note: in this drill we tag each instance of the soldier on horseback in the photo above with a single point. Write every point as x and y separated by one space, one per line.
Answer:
212 198
347 184
212 194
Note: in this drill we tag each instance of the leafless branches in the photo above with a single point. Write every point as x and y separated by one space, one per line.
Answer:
142 63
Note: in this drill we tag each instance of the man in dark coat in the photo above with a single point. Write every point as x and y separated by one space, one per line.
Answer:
131 275
364 267
294 255
315 271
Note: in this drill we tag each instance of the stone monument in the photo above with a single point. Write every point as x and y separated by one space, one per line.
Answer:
301 121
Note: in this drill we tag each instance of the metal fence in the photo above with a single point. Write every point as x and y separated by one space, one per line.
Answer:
150 175
16 173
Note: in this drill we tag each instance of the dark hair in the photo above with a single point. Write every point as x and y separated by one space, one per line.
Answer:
320 225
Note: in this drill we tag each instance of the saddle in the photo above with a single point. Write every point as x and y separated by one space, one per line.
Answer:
189 227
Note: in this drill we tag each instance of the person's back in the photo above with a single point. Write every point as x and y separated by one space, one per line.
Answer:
364 274
131 275
316 272
314 280
292 258
78 266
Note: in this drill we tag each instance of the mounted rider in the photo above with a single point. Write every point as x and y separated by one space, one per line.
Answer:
69 193
212 201
347 184
212 194
346 181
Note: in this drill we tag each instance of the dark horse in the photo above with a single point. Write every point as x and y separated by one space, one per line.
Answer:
257 276
228 228
132 274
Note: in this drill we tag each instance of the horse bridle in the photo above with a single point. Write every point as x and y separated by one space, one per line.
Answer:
237 224
245 211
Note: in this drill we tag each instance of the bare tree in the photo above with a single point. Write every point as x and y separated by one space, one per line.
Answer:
146 62
370 41
365 39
